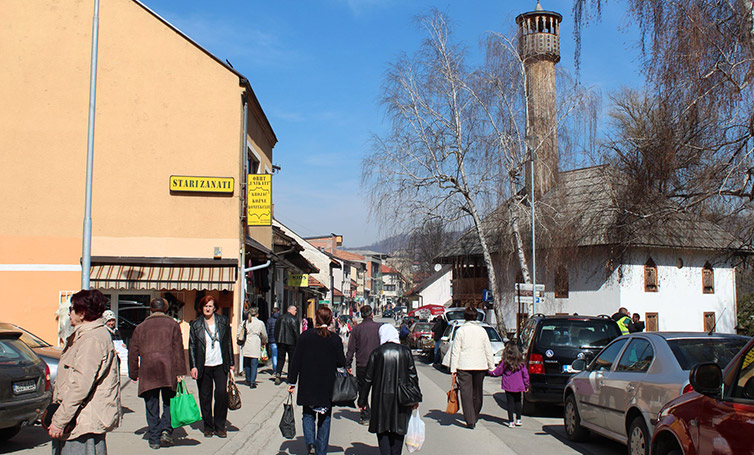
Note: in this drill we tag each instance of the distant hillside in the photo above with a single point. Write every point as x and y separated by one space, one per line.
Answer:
386 246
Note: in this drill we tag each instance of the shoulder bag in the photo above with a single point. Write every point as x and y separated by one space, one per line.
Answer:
452 407
234 396
345 389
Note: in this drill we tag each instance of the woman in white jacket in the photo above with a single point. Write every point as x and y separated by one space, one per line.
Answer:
470 360
252 335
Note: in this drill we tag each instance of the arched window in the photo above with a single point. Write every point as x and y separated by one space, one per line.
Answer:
708 279
650 276
561 282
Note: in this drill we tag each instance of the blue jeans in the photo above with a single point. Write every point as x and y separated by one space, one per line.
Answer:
157 423
250 365
437 353
322 437
273 354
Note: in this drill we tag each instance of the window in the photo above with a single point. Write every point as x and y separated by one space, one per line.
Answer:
561 283
744 376
637 357
691 351
606 359
709 321
652 319
708 279
650 276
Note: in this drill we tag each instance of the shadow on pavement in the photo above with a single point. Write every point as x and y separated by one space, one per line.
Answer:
298 447
541 410
598 446
359 448
26 439
445 419
346 414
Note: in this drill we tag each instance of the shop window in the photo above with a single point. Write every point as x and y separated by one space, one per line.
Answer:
652 321
708 279
709 321
650 276
561 283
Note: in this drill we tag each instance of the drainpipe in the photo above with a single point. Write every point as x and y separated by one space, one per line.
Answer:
242 202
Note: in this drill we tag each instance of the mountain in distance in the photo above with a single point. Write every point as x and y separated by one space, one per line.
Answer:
386 246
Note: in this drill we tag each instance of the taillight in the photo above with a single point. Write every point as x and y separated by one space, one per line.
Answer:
47 377
687 389
536 364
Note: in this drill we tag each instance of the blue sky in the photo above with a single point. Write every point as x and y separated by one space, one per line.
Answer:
317 67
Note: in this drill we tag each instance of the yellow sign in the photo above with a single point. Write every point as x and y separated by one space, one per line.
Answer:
259 200
185 183
299 281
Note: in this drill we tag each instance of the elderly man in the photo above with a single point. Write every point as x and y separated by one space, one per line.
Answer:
155 359
286 337
365 338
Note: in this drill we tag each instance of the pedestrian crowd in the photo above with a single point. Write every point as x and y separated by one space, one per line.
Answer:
387 393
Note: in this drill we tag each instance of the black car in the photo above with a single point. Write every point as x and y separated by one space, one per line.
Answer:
25 389
387 313
551 343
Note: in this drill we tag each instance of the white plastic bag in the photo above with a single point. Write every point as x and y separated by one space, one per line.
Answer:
415 433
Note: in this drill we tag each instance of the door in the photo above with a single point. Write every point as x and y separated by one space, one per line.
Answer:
623 382
590 393
725 426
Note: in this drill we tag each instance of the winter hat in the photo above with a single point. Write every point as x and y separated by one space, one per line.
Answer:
388 333
108 315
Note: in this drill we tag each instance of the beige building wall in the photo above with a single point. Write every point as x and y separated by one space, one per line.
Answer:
164 107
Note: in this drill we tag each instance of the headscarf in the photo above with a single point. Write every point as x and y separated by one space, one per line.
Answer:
108 315
388 333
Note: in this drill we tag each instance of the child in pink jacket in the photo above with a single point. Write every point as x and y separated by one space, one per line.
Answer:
515 380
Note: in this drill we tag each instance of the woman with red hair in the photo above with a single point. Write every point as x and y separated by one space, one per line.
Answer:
211 360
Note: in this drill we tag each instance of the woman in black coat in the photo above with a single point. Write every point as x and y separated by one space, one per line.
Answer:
389 365
210 361
318 355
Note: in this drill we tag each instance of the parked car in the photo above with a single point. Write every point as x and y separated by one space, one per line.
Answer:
550 344
456 314
446 342
620 394
387 313
420 337
717 416
47 352
399 312
25 389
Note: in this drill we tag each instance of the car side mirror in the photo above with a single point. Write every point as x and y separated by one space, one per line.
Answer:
706 378
749 389
578 365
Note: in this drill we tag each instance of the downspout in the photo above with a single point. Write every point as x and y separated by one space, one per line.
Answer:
242 203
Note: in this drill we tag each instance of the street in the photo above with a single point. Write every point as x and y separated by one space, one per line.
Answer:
254 428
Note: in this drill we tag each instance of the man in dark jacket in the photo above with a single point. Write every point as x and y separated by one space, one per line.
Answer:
364 339
286 337
638 323
437 330
155 359
273 348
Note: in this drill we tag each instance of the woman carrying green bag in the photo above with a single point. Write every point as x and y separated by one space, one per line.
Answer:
183 408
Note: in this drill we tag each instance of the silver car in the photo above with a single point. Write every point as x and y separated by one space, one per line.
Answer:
621 392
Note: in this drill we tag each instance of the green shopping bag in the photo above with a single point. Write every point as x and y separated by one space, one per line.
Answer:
183 408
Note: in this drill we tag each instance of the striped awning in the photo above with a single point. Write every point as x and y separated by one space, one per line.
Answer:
164 276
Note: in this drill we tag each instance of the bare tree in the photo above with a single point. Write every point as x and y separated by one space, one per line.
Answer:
458 142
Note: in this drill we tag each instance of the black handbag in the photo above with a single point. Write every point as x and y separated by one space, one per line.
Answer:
345 389
409 394
287 423
234 396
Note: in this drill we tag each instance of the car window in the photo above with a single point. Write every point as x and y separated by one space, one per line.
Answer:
31 340
745 373
13 351
576 333
691 351
605 360
637 357
422 327
492 333
447 331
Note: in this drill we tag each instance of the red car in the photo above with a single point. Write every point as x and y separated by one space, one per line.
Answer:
717 417
420 337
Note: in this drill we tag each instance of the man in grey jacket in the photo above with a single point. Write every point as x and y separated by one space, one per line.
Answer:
364 339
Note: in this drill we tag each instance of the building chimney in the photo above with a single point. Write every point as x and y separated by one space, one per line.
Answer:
539 48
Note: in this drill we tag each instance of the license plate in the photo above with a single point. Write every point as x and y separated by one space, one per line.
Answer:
24 387
568 369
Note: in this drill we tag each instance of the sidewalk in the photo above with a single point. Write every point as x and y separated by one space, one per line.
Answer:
258 407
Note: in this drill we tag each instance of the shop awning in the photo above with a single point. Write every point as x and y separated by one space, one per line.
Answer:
180 274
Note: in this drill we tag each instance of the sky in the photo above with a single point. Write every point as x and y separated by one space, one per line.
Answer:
317 67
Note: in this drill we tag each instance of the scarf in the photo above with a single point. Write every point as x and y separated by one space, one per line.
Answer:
212 336
388 334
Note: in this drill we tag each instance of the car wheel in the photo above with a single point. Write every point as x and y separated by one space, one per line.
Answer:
7 433
638 437
572 421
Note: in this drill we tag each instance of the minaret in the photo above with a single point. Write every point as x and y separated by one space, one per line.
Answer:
539 48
